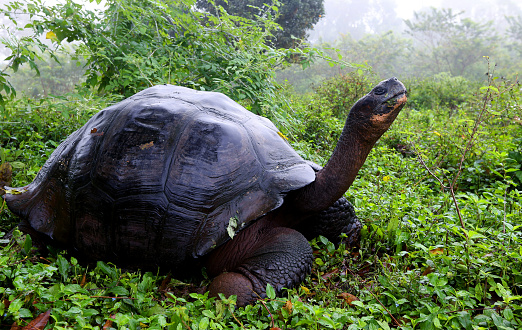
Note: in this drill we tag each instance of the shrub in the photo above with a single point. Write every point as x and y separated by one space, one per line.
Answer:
340 92
440 91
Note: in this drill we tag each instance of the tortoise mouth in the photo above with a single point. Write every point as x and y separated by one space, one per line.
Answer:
397 99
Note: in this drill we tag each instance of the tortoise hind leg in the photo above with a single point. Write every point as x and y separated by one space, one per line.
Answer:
280 256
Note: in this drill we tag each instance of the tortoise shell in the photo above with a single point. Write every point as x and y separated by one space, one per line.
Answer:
165 175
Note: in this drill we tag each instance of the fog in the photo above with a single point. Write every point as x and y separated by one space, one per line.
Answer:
374 33
358 18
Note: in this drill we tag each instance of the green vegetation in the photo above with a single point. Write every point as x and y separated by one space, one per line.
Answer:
440 194
295 17
418 266
436 41
133 45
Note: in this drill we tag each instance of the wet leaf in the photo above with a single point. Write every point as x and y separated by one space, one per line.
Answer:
288 307
84 280
15 326
232 226
427 271
147 145
15 191
282 135
437 251
94 131
305 290
331 273
108 323
39 322
348 298
6 175
165 282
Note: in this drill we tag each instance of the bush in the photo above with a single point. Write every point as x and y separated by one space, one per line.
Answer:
132 45
440 91
340 92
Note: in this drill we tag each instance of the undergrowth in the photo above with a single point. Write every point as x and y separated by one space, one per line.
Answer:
417 267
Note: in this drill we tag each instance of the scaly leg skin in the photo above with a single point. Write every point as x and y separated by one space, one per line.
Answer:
337 219
281 256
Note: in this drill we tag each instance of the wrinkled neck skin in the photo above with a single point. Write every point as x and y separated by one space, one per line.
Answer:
338 174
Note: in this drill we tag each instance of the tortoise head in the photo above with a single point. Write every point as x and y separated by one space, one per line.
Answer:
374 113
368 119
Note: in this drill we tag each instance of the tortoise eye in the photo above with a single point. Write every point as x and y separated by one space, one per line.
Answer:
379 90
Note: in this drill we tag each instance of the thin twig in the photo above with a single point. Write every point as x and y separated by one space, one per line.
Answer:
394 319
235 318
10 63
467 148
272 323
457 208
109 297
472 309
504 222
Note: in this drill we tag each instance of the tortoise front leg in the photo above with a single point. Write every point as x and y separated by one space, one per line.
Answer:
279 256
332 222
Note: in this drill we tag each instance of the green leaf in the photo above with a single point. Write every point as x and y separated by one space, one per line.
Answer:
106 269
383 325
208 313
28 244
203 323
508 314
24 312
270 291
74 288
479 292
63 266
119 291
465 320
436 322
15 306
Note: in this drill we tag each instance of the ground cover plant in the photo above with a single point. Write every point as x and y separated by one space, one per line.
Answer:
439 195
417 267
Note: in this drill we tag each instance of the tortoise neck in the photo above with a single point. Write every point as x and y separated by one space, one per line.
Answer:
339 173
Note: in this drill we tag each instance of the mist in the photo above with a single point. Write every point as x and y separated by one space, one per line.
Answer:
408 39
376 16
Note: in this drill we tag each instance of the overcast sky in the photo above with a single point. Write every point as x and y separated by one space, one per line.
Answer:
405 8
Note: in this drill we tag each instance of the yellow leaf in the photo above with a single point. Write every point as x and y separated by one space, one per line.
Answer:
288 307
15 191
437 133
282 135
305 289
147 145
50 35
437 251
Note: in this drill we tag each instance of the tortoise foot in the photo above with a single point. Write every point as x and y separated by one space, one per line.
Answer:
281 257
233 284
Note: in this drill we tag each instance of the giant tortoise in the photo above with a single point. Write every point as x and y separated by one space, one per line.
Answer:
180 179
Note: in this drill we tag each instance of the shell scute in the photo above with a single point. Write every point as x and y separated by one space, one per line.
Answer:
156 178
